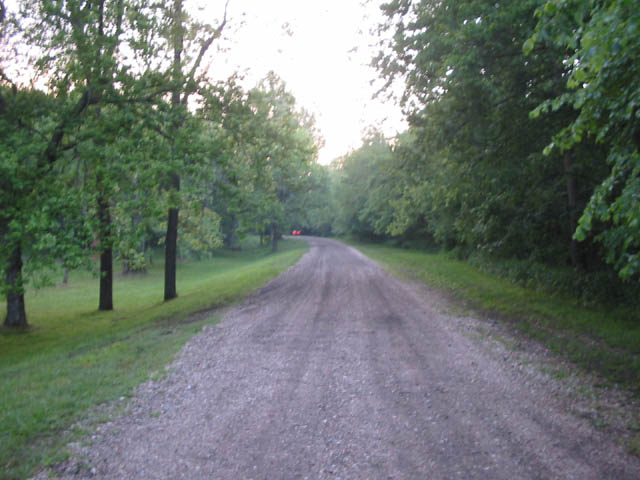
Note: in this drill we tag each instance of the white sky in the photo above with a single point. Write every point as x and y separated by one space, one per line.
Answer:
320 48
323 61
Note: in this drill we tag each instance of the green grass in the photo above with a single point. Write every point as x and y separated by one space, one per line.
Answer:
74 357
600 339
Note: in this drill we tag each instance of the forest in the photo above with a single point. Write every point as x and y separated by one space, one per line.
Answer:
115 142
521 156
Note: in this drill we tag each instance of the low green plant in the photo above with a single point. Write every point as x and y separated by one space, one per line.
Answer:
75 357
598 288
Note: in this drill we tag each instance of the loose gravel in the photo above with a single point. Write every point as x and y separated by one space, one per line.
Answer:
336 370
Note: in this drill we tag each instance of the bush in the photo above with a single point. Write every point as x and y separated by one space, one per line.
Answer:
589 288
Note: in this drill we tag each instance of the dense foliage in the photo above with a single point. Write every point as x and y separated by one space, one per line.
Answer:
523 140
523 144
114 141
603 72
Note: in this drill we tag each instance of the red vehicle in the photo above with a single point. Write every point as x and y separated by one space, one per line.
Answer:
296 232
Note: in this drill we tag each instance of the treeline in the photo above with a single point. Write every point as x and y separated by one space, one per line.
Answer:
114 141
523 141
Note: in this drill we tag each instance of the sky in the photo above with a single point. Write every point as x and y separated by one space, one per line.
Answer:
321 49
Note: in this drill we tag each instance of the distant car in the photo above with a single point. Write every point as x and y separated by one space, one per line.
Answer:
296 232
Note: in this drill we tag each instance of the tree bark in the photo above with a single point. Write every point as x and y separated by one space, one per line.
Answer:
16 313
171 252
171 246
230 232
274 238
106 256
106 279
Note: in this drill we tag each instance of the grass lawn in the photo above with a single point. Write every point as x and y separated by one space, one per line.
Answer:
75 357
600 339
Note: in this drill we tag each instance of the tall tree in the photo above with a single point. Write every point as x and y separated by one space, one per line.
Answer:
469 91
364 188
603 72
311 209
273 145
75 47
282 151
92 34
35 156
185 71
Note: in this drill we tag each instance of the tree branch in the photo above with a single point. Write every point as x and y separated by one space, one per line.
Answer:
217 33
3 76
50 154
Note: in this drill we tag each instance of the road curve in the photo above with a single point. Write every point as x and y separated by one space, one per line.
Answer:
337 370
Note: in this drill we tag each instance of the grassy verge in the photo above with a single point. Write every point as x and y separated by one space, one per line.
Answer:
600 339
74 357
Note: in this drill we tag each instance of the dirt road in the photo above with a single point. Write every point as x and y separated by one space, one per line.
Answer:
337 370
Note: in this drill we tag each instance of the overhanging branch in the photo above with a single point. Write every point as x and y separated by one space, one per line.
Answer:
217 33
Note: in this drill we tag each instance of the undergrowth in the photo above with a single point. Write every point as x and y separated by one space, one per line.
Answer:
599 288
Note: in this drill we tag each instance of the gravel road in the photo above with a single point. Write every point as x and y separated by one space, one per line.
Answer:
337 370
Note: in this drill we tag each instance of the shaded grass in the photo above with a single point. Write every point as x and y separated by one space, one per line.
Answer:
601 339
74 357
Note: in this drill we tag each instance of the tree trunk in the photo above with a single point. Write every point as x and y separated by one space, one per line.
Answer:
274 238
171 239
16 313
230 234
171 247
106 256
171 251
571 205
106 279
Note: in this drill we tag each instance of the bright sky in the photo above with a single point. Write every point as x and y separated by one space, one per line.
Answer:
321 49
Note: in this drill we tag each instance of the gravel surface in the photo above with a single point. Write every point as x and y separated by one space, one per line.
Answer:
336 370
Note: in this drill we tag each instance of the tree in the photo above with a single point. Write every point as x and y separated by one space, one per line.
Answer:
603 75
34 159
363 187
79 53
16 183
82 48
276 144
481 181
187 60
225 110
114 149
311 209
124 119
